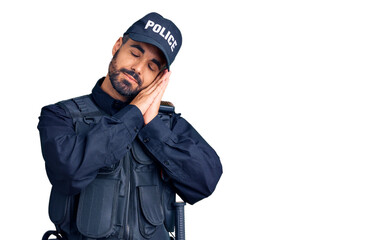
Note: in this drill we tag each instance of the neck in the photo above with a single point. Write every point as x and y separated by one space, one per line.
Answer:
107 87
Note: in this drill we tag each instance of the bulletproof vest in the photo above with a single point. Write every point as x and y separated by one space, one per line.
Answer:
128 200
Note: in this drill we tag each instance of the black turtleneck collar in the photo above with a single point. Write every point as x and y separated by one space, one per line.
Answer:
108 104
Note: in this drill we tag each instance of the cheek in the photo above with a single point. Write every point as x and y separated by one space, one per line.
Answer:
123 61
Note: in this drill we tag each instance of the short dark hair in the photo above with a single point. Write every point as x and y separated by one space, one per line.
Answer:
125 39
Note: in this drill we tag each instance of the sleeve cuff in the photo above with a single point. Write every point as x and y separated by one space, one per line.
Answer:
155 129
132 117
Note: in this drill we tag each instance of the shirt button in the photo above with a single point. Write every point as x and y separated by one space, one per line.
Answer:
146 140
166 163
136 129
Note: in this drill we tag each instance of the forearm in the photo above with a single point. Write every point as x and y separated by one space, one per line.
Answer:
72 159
192 166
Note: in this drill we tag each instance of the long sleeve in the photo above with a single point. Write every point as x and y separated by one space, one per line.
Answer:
192 166
72 161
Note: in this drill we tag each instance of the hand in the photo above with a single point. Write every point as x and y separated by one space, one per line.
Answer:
153 109
151 96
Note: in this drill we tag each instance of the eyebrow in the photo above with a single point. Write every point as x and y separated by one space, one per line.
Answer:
138 47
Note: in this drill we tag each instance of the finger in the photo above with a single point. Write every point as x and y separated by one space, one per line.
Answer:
156 83
153 109
162 74
162 90
167 76
154 91
151 87
165 83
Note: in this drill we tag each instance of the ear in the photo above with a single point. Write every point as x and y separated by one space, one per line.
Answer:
117 45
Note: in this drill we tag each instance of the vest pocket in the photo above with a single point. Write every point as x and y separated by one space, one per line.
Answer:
151 214
62 214
97 208
58 206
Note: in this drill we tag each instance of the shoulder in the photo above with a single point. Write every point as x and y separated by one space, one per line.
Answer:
54 109
63 107
57 113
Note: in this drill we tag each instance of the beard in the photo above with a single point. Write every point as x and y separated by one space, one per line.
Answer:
122 85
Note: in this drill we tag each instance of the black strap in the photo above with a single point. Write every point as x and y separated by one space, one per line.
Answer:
50 233
82 108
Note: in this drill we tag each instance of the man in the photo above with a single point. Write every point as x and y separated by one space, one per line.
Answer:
114 169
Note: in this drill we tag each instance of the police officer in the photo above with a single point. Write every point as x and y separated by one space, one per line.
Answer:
111 179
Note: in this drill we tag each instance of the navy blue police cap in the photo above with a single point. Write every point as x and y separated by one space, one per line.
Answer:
158 31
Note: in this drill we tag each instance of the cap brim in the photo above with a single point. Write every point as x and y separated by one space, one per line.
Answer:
142 38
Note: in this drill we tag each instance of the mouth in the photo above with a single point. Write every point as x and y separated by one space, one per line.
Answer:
130 78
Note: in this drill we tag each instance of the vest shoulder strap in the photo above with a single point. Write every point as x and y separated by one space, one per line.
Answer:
82 109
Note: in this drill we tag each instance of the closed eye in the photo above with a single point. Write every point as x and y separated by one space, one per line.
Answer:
134 54
156 63
152 67
137 48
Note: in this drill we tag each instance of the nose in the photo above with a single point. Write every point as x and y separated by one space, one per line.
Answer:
137 67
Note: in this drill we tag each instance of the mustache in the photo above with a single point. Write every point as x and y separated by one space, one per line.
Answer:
133 74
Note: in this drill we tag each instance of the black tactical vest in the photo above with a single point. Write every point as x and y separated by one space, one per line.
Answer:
129 200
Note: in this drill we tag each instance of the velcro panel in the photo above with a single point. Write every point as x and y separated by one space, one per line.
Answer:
97 208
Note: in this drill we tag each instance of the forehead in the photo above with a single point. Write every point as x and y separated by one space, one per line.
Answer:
149 49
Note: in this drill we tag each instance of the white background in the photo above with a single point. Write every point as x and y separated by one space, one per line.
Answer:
293 95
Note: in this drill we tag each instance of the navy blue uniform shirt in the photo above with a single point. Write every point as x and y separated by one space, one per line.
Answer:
72 161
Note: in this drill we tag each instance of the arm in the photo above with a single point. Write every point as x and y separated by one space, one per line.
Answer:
72 161
192 166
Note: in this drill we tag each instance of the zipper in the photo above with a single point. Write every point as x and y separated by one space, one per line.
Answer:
126 214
